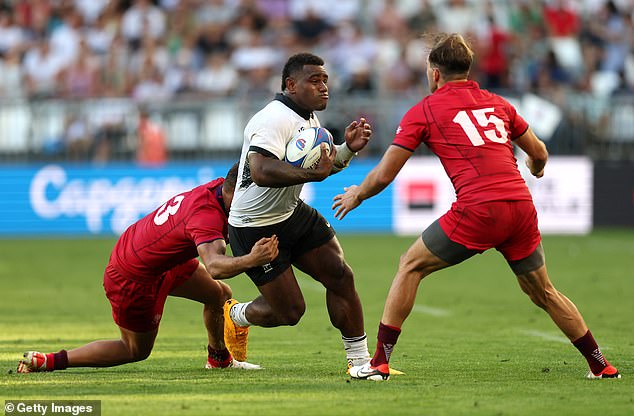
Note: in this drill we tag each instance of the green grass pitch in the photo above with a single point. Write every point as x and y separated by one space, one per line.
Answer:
474 344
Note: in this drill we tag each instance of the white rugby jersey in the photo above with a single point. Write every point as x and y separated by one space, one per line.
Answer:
267 133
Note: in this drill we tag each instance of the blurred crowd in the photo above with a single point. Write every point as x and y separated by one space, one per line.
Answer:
157 50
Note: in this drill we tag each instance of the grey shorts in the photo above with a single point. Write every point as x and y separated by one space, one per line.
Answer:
451 252
303 231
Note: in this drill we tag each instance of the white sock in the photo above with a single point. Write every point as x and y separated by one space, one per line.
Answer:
238 314
356 349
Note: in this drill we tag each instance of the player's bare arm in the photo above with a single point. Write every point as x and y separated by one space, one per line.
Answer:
221 266
536 151
378 179
274 173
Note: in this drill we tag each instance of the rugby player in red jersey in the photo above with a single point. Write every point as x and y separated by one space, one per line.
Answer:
471 131
156 257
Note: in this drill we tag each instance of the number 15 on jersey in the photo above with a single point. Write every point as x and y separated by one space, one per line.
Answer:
496 133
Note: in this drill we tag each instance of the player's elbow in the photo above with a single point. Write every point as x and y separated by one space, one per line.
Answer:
215 271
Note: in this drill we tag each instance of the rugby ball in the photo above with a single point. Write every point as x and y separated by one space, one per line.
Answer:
304 149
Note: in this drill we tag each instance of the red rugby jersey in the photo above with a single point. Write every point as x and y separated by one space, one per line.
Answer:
169 235
470 130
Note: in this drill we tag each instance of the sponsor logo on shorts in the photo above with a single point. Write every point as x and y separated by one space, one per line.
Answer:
267 267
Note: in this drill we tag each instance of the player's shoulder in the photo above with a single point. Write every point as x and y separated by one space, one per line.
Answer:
274 120
204 196
273 114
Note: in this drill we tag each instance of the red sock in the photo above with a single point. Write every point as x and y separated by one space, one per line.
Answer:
219 358
57 360
588 347
386 338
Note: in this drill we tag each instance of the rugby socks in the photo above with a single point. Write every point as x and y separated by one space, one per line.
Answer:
238 314
57 360
386 338
588 347
356 349
218 358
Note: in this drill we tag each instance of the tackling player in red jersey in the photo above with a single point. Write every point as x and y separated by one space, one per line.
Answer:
471 131
156 257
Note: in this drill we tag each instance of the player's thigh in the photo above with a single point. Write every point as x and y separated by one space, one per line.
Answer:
139 344
434 250
136 306
283 293
325 264
420 260
201 287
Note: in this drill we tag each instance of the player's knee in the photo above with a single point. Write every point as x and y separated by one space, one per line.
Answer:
138 352
292 314
227 293
338 279
539 296
409 265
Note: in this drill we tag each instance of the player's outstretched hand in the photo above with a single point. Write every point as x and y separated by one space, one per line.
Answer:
358 134
265 250
326 160
347 201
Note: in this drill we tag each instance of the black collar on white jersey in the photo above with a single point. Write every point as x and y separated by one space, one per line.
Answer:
293 106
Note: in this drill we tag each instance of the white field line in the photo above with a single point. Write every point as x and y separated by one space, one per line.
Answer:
547 336
428 310
557 338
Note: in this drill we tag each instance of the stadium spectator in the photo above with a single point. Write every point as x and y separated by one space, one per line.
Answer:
12 35
156 257
80 79
91 10
218 77
494 62
494 207
142 19
77 138
66 37
306 239
563 27
458 16
100 35
149 86
41 70
591 41
152 143
11 83
114 76
311 27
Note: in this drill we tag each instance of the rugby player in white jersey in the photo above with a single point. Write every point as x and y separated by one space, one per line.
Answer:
266 203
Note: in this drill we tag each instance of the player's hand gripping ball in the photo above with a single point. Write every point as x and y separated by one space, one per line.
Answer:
304 149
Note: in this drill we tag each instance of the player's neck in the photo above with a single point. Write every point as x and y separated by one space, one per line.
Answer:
442 83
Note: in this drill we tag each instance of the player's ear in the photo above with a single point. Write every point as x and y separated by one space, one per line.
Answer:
290 83
436 74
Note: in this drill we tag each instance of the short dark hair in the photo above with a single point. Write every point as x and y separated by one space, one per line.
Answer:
296 64
451 54
231 177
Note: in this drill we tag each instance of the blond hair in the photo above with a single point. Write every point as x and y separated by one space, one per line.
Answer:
450 53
